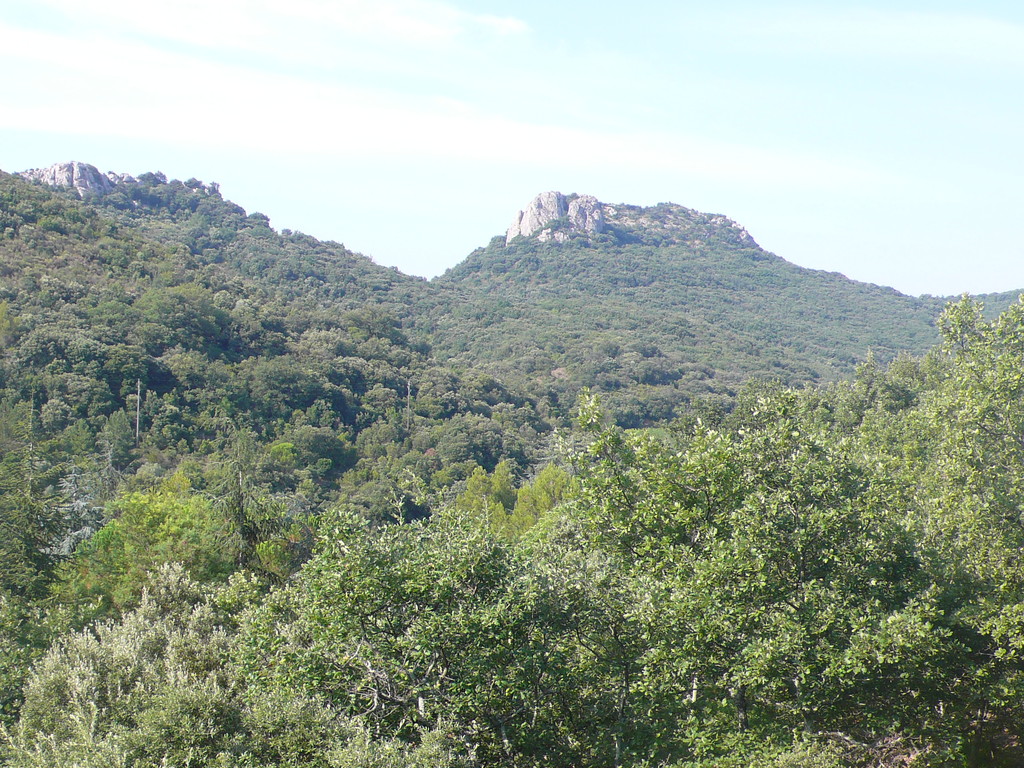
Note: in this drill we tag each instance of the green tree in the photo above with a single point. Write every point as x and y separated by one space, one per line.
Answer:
776 557
395 625
147 690
8 324
970 494
31 524
490 497
147 529
551 487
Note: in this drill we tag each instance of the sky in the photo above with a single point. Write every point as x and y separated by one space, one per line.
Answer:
882 140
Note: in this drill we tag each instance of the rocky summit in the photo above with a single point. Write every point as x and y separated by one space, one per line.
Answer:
554 217
82 177
577 214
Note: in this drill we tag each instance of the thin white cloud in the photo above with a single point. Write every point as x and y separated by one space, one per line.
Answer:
173 98
227 24
269 26
924 37
503 25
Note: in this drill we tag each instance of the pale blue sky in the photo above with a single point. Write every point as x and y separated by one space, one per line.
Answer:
880 140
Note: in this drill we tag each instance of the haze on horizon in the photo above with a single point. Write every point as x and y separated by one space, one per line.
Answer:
880 141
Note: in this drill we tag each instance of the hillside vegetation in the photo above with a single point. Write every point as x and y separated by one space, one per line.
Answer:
671 307
266 503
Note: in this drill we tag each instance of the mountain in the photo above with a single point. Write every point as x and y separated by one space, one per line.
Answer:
661 306
264 502
158 326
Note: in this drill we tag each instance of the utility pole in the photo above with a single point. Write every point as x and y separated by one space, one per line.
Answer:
138 409
408 404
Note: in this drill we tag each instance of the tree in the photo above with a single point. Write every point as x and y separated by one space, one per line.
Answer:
382 623
8 324
551 487
148 529
30 521
490 497
774 558
970 494
147 688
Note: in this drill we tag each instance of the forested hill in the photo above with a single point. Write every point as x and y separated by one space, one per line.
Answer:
266 503
666 302
659 308
159 325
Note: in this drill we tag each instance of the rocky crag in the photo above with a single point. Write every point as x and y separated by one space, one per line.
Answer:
554 217
82 177
557 217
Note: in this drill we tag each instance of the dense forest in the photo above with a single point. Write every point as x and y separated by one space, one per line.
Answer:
266 503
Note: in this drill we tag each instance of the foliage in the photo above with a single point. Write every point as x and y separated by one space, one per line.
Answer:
31 524
153 325
779 563
148 529
147 688
653 321
265 503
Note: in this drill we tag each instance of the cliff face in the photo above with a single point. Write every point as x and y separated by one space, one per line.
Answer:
82 177
583 213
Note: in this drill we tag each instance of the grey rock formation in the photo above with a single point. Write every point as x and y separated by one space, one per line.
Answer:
543 208
584 214
121 178
81 177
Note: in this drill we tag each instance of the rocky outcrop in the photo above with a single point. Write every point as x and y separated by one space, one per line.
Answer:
554 217
586 214
545 207
671 224
582 214
81 177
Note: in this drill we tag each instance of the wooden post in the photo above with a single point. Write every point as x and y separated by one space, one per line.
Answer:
138 409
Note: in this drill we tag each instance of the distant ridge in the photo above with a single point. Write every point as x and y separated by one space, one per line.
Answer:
662 306
658 307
